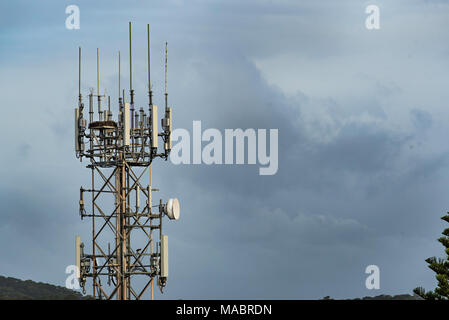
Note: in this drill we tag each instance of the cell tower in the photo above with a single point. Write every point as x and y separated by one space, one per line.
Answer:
119 201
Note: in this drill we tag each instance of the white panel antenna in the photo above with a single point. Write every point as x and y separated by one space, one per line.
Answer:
137 197
126 125
164 256
78 256
154 129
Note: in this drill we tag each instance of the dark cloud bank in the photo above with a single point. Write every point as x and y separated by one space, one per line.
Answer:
351 189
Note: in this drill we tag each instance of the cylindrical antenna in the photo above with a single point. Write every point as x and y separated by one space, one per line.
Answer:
119 74
131 86
120 100
150 92
98 84
91 103
148 36
130 61
98 73
166 94
79 74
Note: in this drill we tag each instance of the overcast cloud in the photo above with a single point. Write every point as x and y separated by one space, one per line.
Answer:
363 124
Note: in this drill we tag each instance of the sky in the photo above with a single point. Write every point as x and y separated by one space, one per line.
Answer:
362 118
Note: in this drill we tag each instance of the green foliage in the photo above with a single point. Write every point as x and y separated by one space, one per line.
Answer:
441 268
15 289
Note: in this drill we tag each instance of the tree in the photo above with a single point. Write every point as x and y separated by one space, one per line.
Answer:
441 268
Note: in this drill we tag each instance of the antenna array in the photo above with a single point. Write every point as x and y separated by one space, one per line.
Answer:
120 153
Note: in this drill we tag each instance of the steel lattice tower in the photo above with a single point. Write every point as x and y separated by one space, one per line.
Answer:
120 154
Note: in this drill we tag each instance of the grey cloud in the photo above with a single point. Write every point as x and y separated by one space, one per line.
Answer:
349 191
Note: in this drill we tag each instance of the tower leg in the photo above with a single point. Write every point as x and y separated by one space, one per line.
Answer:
121 234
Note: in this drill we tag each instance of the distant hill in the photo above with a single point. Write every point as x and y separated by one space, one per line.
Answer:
16 289
396 297
384 297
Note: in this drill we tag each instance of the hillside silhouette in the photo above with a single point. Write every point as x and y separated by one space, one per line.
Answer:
16 289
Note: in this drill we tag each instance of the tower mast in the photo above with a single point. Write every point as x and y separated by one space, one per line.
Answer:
120 153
